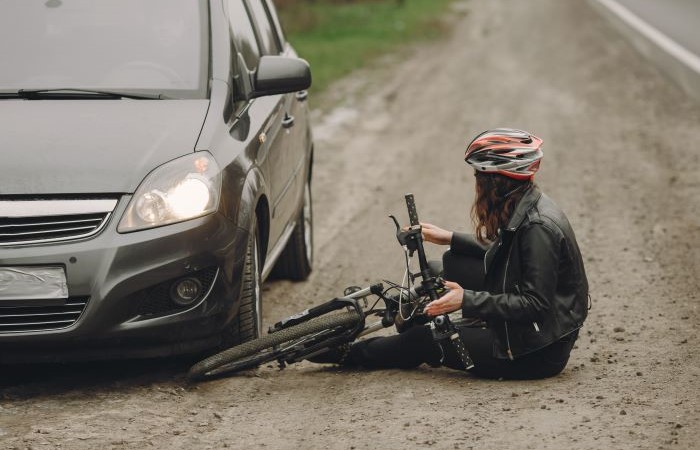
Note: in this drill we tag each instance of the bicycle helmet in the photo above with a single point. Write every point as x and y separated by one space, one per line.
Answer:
505 151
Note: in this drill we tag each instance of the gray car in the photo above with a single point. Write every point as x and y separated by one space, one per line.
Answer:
156 168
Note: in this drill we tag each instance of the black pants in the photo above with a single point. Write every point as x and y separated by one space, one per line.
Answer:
416 345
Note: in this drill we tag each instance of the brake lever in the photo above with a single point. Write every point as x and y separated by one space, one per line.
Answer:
406 238
396 222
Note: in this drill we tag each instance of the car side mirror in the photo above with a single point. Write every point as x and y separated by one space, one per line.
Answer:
280 75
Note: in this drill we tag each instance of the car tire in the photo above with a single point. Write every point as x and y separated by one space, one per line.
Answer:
247 324
295 262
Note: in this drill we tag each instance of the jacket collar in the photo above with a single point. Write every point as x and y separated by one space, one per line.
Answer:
524 205
519 214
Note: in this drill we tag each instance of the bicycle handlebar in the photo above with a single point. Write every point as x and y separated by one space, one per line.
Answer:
428 282
412 212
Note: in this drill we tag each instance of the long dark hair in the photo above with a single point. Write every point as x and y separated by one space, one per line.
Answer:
496 198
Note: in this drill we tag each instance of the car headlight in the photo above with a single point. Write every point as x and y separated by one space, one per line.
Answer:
180 190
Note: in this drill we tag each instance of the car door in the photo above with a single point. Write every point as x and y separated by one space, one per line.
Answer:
266 114
297 116
284 165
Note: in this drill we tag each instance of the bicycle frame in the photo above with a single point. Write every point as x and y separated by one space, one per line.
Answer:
332 305
310 346
412 240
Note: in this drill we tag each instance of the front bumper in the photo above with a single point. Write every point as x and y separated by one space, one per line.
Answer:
115 272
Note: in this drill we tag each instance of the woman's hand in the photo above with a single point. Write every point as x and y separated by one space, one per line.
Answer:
450 302
436 235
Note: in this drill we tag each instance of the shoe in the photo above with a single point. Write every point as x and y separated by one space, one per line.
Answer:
333 355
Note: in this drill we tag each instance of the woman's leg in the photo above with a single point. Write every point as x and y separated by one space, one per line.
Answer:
467 271
547 362
409 349
479 344
543 363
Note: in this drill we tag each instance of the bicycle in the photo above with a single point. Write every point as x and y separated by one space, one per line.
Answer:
316 330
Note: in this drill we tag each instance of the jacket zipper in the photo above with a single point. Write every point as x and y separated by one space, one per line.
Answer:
497 246
535 325
505 322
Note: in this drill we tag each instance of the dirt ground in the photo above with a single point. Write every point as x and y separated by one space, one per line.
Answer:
622 159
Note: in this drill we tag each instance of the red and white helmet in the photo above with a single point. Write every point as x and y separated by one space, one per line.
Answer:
506 151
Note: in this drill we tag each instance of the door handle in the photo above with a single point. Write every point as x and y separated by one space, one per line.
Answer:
288 121
302 95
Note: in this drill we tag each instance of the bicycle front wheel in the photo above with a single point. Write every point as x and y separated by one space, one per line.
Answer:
259 351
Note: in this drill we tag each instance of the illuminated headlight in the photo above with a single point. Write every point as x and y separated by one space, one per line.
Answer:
180 190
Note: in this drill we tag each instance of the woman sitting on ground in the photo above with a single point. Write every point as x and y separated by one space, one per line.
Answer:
521 274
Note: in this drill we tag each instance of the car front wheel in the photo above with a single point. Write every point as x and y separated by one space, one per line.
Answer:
295 262
247 325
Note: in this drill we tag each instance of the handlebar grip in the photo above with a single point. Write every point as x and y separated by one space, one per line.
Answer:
412 213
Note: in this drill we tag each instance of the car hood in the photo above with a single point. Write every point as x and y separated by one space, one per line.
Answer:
92 146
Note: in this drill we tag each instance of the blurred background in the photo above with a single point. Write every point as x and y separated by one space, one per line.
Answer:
337 36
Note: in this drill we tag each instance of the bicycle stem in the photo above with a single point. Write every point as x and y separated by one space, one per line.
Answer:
428 281
415 234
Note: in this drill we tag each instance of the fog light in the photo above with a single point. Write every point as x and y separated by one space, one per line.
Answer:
185 291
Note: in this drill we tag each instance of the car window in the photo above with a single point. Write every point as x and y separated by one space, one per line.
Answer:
276 22
243 34
269 43
155 46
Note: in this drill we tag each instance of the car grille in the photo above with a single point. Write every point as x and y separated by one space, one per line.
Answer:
44 221
41 318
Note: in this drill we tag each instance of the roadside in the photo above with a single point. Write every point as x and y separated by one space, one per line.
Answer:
666 33
339 37
620 159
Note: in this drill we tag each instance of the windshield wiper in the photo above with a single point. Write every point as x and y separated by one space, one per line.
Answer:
71 93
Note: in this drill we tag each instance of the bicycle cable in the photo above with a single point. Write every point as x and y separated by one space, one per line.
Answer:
407 278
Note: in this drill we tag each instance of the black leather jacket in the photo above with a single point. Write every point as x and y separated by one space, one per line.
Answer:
536 286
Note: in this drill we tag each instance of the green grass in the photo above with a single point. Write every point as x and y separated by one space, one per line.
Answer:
337 37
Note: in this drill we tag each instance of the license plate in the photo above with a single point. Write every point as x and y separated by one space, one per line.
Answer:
33 283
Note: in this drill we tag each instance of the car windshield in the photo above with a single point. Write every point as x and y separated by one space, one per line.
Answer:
132 46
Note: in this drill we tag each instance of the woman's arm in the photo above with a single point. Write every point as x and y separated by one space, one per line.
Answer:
539 261
434 234
466 244
462 243
539 265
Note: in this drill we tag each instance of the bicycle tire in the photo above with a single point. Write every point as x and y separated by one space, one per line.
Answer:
251 354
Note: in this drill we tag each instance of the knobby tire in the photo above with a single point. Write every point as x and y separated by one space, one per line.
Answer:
252 353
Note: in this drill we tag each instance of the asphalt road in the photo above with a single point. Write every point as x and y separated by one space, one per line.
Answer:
677 19
621 158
